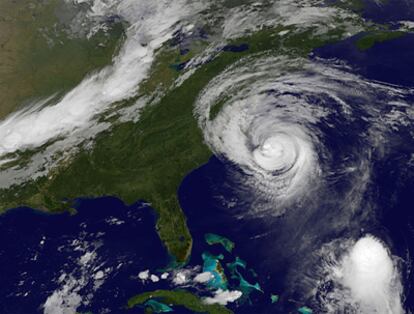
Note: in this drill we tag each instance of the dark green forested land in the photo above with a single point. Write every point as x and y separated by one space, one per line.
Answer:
370 39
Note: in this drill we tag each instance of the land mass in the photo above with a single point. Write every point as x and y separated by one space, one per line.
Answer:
178 297
39 56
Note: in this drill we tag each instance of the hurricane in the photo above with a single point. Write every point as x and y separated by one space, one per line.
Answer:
272 118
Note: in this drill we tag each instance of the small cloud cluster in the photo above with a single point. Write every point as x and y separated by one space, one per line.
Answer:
145 276
223 297
204 277
86 272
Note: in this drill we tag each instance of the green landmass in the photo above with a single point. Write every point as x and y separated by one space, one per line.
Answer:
274 298
215 109
39 58
212 264
305 310
178 297
212 239
368 40
354 5
148 159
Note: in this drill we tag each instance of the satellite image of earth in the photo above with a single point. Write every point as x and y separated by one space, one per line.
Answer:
206 156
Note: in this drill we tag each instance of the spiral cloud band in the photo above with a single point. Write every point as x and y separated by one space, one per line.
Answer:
266 116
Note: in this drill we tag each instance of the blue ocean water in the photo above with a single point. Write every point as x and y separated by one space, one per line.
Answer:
391 62
36 249
388 11
207 212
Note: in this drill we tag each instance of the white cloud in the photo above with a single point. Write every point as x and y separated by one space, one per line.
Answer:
144 275
155 278
87 258
223 297
363 276
372 277
203 277
99 275
64 300
408 25
181 278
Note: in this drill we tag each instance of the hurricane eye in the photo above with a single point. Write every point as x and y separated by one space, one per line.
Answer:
276 153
